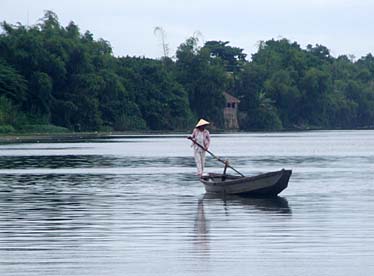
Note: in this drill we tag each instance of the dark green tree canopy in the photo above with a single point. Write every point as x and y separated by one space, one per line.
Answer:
232 57
54 74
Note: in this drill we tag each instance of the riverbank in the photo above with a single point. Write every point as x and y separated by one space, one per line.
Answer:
74 136
47 137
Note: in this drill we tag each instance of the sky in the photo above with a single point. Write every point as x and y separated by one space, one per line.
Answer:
346 27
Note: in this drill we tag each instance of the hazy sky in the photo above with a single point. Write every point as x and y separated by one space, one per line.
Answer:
343 26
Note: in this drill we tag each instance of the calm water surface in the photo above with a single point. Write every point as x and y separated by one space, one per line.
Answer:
131 205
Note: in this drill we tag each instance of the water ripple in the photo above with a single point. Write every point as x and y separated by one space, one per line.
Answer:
132 206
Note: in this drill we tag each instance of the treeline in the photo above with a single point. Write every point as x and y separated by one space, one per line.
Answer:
285 86
54 78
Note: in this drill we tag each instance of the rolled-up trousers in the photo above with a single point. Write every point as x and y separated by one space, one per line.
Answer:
200 161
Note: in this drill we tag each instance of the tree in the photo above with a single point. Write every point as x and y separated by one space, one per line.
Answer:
117 108
40 96
12 85
320 51
162 101
162 34
204 80
232 57
282 89
7 114
315 87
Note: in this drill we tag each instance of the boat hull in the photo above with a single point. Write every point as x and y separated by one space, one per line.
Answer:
263 185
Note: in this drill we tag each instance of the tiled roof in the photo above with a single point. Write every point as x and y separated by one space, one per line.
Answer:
230 98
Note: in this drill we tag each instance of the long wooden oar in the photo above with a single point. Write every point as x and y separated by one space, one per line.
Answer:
214 156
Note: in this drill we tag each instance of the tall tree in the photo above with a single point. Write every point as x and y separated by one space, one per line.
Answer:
204 80
232 57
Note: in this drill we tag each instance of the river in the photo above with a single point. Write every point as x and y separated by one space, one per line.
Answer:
132 205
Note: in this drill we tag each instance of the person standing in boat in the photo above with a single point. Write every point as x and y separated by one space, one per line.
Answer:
200 135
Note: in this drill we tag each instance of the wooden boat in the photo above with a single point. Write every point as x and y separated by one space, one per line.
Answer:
263 185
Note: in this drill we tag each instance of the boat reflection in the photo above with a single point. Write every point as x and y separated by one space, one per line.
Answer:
270 205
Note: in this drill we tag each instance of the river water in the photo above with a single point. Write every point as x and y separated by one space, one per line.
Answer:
132 205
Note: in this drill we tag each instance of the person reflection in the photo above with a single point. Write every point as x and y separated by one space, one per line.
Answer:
201 228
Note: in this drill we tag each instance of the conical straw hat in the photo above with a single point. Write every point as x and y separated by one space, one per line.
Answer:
202 122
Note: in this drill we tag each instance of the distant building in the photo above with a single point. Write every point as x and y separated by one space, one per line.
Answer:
230 112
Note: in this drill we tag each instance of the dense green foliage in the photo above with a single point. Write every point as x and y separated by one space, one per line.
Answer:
286 86
52 75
